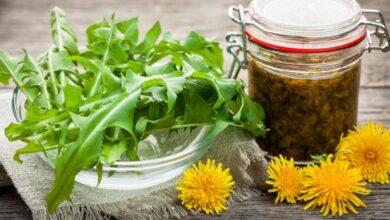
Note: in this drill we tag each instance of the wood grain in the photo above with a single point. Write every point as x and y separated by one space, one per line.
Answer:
12 206
262 207
4 179
25 24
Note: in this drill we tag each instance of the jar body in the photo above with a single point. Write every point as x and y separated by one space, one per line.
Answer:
309 102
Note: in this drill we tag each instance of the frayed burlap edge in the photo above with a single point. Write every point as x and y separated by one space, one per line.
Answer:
170 207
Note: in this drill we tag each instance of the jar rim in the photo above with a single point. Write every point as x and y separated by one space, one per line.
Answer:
306 50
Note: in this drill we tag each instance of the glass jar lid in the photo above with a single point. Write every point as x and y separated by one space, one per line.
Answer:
305 25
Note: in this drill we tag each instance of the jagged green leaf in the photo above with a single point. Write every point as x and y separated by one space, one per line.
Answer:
61 32
84 153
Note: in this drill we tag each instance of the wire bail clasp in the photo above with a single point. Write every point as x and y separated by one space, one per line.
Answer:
380 31
237 42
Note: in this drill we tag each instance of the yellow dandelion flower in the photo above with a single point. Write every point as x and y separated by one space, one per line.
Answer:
368 149
333 186
285 179
205 187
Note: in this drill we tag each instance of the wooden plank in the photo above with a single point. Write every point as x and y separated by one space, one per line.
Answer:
374 98
260 207
4 179
12 206
27 24
376 116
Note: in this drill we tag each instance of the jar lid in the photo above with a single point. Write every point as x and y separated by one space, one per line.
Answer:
305 25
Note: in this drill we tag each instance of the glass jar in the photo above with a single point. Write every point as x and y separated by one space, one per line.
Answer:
304 64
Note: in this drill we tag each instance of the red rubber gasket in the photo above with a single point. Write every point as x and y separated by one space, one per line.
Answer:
305 50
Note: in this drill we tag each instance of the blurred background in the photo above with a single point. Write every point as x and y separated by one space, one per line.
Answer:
25 24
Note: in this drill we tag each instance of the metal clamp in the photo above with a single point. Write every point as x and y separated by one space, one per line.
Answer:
379 32
237 42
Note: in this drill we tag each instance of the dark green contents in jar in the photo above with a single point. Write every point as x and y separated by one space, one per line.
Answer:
305 116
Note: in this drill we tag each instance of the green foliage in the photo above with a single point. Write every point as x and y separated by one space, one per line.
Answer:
93 107
63 36
317 159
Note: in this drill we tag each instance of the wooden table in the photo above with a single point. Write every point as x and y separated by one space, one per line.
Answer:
24 24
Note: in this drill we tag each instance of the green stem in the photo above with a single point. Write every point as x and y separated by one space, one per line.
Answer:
51 71
104 61
59 30
100 101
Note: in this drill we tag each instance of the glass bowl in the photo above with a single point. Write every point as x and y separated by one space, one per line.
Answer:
163 156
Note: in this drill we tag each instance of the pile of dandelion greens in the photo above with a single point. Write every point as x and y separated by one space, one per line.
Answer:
94 106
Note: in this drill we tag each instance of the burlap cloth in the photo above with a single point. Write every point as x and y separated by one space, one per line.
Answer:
234 148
